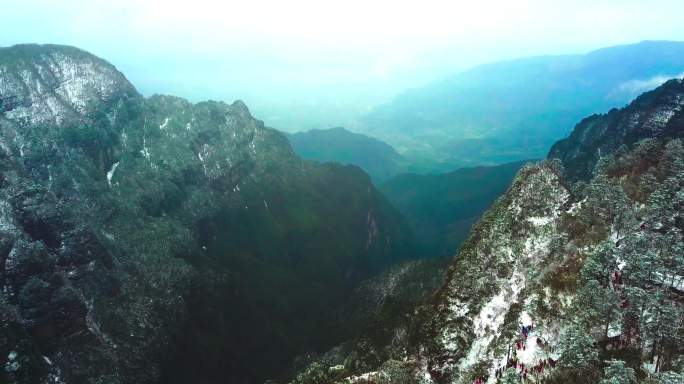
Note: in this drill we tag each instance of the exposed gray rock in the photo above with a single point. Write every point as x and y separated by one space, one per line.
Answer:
131 226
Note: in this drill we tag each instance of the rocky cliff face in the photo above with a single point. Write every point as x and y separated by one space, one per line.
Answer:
563 281
484 297
144 239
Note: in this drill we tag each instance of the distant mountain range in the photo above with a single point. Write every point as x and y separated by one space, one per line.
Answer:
379 159
515 110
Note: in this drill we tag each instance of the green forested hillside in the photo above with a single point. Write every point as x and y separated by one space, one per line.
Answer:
377 158
442 208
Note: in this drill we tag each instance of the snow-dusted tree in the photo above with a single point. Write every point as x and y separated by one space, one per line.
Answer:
597 303
664 330
665 378
654 257
510 376
618 373
577 348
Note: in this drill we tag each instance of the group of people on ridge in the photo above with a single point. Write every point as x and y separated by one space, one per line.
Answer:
523 370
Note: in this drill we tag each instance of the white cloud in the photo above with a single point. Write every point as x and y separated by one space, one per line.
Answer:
638 86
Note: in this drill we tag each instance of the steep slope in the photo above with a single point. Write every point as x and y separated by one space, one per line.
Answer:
377 158
516 110
155 240
442 208
385 305
654 114
563 281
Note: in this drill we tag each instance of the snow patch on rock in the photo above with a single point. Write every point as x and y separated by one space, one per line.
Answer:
110 173
540 221
370 377
12 364
487 323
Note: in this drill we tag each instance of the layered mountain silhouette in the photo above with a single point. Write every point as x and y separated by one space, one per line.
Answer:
515 110
339 145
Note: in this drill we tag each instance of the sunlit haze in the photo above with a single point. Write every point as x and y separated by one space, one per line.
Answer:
306 63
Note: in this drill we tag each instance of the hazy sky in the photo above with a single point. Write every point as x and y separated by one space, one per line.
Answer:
303 63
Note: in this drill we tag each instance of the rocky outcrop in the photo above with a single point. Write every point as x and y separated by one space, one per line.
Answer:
477 311
524 262
151 239
527 262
